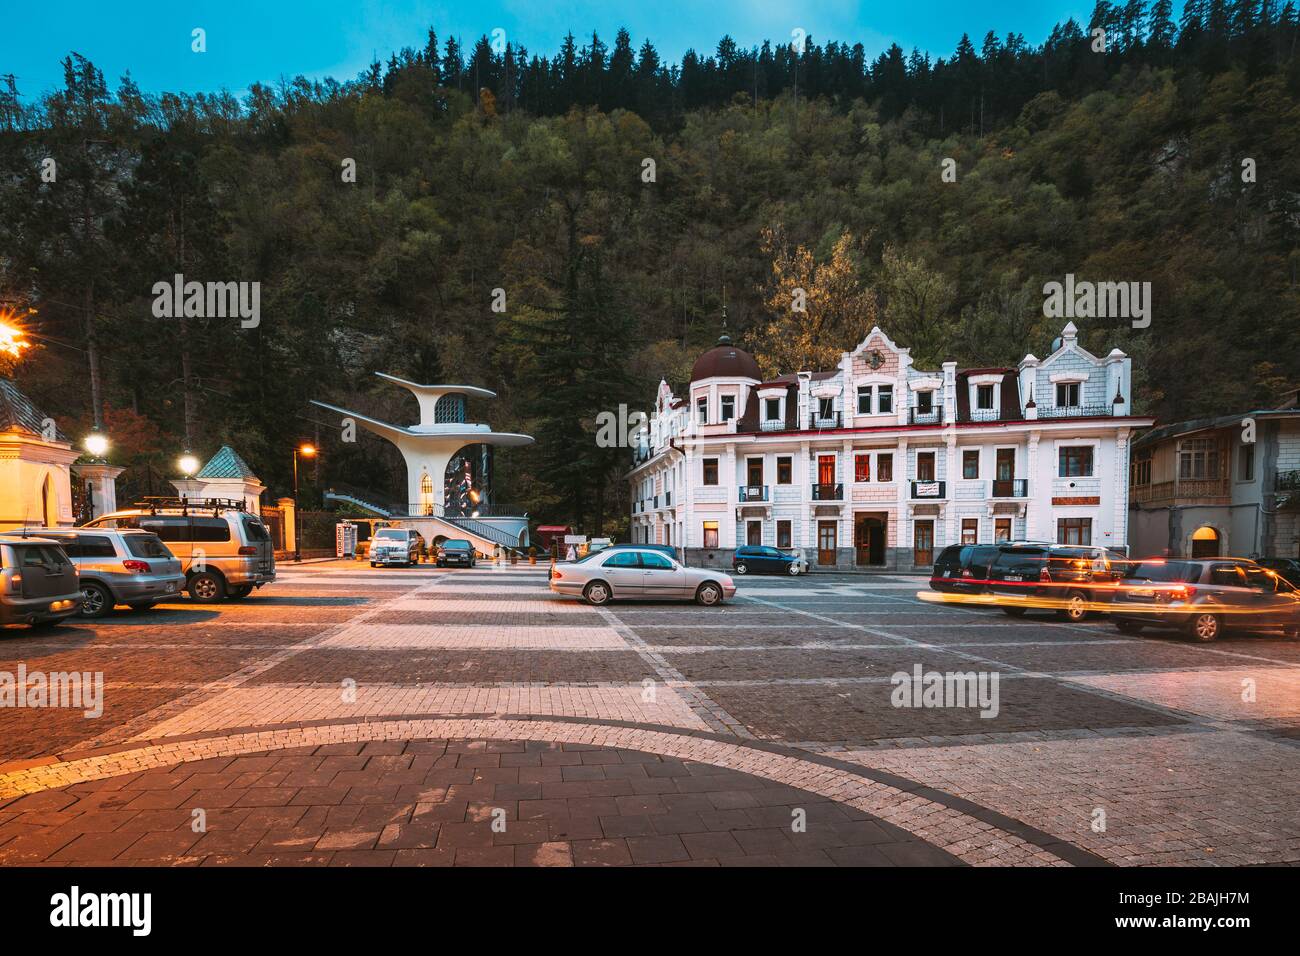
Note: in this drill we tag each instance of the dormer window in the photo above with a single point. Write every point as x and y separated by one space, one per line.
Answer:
925 402
703 410
728 407
772 409
825 408
1067 394
984 397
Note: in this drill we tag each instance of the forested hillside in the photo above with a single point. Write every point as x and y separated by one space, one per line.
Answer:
480 170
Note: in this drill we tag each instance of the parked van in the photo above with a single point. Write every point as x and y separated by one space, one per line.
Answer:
38 584
224 550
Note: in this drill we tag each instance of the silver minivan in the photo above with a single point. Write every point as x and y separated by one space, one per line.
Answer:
119 567
38 584
224 550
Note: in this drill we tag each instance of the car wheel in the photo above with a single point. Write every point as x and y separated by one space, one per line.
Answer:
597 593
207 587
1014 611
794 568
742 568
1204 627
96 601
1076 607
1129 627
242 591
708 594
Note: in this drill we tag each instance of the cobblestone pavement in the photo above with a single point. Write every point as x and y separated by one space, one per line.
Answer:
353 716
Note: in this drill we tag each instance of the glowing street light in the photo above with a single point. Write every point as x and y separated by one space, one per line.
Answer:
306 450
97 445
188 465
12 343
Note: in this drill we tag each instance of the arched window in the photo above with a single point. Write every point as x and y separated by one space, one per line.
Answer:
49 504
449 409
426 494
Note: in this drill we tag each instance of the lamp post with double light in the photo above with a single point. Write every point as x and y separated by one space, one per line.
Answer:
307 450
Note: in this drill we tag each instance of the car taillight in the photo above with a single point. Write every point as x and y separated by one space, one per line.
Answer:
1183 592
16 583
137 567
248 549
556 573
966 573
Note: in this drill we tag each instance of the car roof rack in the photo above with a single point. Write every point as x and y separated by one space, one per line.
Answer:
155 504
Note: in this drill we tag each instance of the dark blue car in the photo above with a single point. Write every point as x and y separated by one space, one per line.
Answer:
760 559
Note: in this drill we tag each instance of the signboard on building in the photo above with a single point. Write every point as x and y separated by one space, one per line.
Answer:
927 489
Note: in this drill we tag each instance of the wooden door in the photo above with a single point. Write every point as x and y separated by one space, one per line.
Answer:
826 542
923 542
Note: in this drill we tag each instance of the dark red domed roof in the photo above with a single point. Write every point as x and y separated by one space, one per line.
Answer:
724 360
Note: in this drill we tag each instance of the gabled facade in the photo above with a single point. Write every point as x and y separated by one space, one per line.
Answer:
879 464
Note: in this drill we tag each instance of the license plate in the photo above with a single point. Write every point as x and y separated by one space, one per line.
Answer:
1143 592
1013 577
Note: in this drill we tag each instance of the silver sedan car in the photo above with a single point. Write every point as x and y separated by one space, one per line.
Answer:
639 574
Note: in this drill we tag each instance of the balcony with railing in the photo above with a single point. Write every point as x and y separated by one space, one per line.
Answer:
1075 411
817 420
932 416
981 415
1216 490
772 425
1010 488
753 492
828 492
929 489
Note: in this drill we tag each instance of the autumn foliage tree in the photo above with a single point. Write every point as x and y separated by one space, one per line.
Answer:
819 309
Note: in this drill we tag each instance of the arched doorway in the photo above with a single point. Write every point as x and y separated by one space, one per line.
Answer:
1205 542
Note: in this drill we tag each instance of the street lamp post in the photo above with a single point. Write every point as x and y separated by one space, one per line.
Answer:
307 450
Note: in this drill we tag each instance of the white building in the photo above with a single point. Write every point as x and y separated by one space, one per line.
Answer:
877 463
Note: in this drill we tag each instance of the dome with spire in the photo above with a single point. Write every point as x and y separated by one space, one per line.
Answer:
725 360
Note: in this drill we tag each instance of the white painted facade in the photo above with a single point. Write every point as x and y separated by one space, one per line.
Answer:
880 464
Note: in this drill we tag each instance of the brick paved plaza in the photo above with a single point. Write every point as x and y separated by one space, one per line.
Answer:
349 716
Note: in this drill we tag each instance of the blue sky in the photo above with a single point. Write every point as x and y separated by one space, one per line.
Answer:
263 41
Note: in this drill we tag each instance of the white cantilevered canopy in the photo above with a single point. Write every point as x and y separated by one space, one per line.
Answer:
429 446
